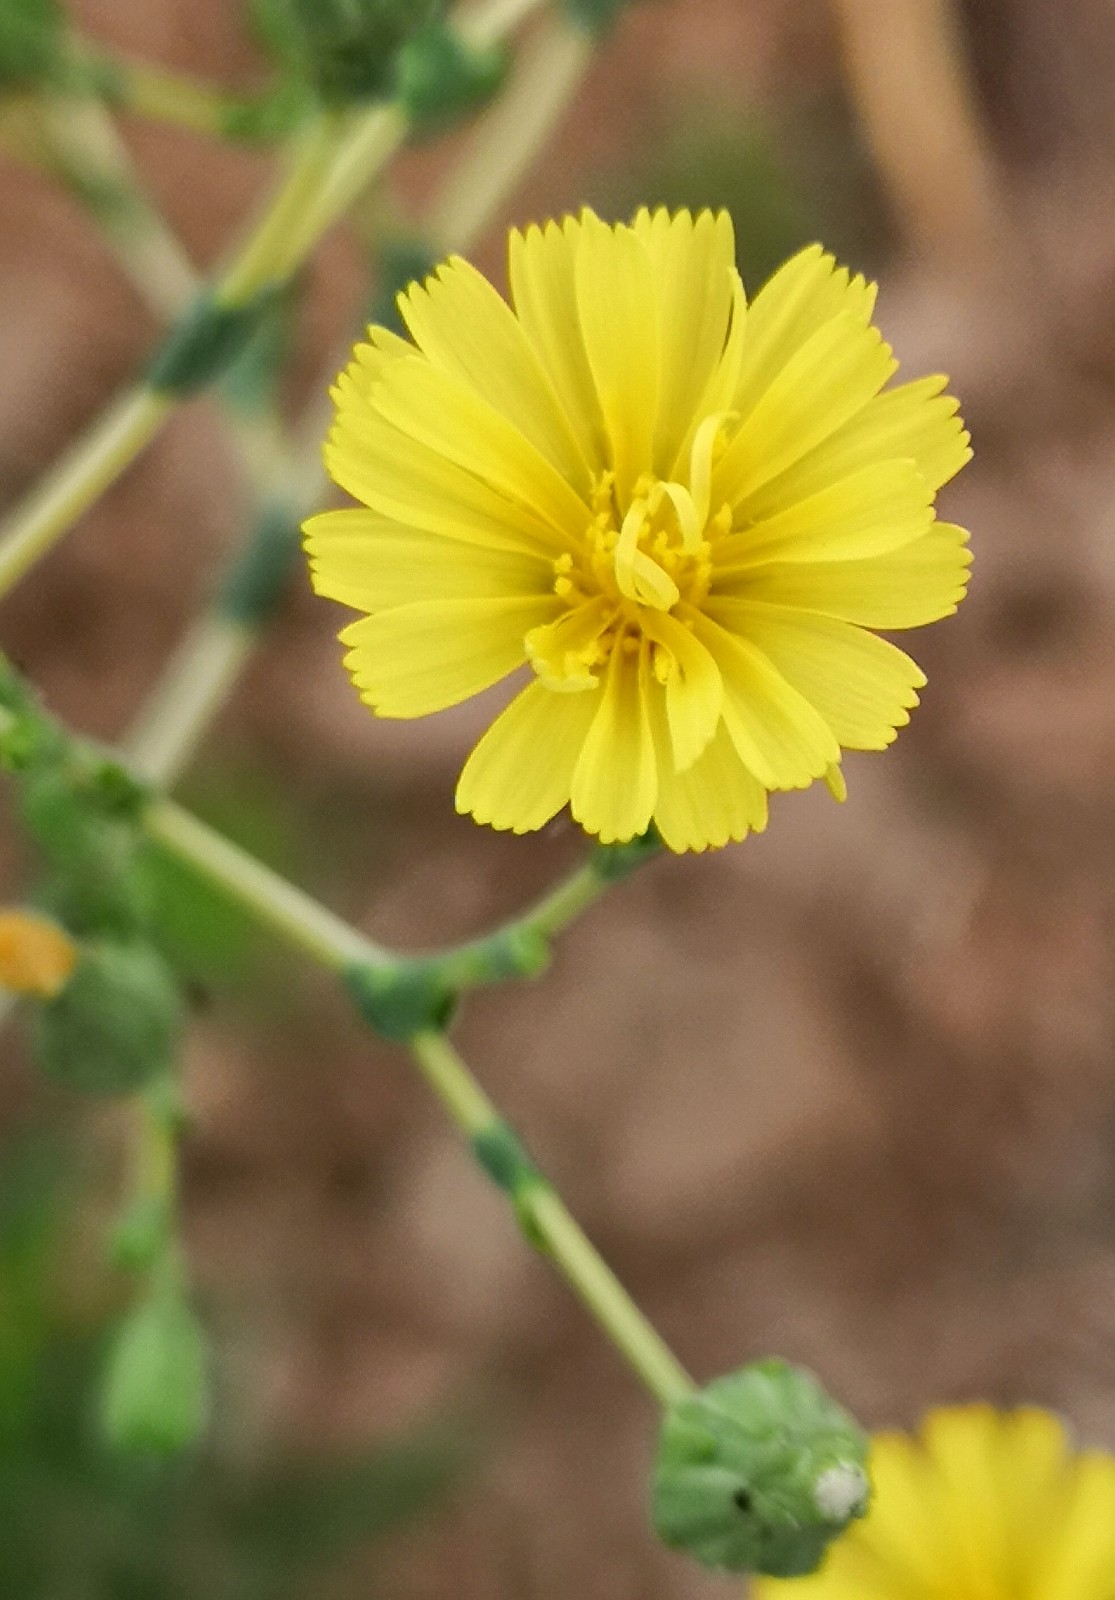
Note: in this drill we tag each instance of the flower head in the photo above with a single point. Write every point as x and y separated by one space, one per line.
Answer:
984 1505
680 512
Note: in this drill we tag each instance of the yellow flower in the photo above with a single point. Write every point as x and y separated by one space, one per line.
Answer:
681 513
985 1505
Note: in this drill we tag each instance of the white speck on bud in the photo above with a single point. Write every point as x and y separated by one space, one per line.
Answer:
840 1492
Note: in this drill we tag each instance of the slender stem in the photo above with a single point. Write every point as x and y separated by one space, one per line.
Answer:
194 686
565 903
94 163
76 481
154 92
544 1214
203 670
279 905
507 140
334 158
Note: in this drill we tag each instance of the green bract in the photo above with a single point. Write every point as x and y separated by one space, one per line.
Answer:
115 1025
346 48
759 1472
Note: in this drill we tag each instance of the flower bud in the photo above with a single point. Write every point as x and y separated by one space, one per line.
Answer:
114 1027
346 48
759 1472
37 956
156 1394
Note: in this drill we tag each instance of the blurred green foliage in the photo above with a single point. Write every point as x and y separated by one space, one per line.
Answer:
80 1521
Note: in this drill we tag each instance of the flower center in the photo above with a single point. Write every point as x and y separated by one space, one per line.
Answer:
650 556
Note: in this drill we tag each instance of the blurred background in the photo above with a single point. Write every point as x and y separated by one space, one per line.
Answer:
845 1092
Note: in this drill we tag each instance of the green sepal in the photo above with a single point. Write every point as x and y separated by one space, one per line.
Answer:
155 1399
759 1472
612 862
441 77
206 341
115 1025
402 999
31 41
256 580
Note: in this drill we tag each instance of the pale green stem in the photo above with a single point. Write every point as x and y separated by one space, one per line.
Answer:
78 479
160 95
208 662
334 158
312 928
279 905
508 139
565 903
95 164
194 686
544 1215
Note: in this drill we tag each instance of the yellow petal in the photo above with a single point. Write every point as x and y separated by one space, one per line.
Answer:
877 509
906 588
420 658
796 303
693 685
714 800
36 954
368 562
862 686
777 733
543 289
1033 1475
832 376
900 1530
618 310
449 417
693 262
463 326
521 772
961 1443
614 783
1081 1565
410 483
914 422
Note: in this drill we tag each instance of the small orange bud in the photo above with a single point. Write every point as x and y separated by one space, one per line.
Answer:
36 955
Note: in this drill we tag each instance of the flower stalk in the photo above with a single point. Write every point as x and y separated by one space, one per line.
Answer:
315 930
330 161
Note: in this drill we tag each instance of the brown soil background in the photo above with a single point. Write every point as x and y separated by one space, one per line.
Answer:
845 1092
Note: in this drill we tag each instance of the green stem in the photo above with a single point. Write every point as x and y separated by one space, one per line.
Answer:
208 662
330 941
547 1221
279 905
156 93
334 158
78 479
